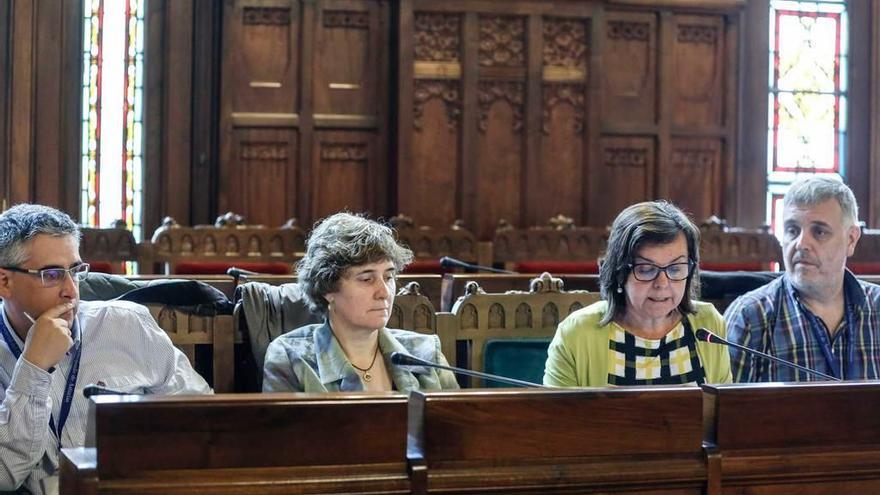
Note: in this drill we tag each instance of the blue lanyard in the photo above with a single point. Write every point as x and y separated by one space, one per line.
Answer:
69 387
820 332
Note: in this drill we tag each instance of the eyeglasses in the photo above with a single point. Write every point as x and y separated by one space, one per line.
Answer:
647 272
50 277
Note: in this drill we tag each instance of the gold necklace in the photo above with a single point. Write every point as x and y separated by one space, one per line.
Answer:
366 371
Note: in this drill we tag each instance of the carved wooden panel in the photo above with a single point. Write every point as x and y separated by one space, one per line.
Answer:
262 167
624 176
500 154
561 174
262 57
348 65
698 70
502 41
629 75
343 172
693 178
434 188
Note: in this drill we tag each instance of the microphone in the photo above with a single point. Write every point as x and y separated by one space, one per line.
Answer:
447 262
92 389
707 336
403 359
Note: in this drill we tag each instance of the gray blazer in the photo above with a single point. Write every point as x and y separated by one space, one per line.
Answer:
310 359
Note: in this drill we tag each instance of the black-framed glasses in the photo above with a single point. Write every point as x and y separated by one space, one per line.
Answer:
647 272
50 277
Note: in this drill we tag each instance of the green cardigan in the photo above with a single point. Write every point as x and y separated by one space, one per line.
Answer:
578 354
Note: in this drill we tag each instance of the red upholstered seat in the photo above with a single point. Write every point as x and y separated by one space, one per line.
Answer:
864 268
736 267
558 267
213 268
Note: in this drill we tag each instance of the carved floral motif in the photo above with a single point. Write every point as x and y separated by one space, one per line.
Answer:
502 41
688 33
265 16
556 94
628 30
625 157
509 91
693 158
346 19
446 91
565 43
437 37
263 151
344 152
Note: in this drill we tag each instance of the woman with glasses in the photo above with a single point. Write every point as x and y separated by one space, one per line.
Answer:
642 332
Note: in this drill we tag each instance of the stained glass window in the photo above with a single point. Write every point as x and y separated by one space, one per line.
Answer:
112 140
808 94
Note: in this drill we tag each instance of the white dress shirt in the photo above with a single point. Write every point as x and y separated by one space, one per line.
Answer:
122 349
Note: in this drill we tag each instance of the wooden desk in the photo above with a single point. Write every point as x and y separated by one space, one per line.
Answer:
246 443
629 440
819 438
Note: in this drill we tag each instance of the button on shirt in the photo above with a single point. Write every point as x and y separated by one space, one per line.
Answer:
122 347
772 319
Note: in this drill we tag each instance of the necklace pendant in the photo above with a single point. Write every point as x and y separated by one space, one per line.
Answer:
367 376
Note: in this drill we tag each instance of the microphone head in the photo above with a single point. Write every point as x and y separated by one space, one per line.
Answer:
706 336
447 262
403 359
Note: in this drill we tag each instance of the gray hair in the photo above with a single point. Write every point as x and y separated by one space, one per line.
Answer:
641 224
814 189
21 223
338 243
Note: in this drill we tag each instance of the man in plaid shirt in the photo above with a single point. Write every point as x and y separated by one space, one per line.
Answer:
817 314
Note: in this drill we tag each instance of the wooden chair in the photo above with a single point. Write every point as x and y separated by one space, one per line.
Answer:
188 330
205 249
559 247
478 320
429 244
108 249
724 248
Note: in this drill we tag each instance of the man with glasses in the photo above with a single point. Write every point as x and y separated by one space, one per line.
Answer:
817 314
52 346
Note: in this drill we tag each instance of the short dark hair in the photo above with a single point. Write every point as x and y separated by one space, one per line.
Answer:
339 242
651 222
21 223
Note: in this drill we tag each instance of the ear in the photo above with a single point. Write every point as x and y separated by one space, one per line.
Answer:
5 284
853 234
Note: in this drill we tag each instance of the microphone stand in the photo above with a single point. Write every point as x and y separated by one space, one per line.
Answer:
401 359
714 339
447 262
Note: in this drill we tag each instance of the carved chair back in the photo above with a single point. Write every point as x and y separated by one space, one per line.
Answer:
213 249
724 248
559 247
478 317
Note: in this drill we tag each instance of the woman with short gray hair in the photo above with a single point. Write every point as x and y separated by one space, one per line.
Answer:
643 332
348 276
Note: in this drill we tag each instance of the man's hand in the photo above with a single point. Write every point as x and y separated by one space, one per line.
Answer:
49 338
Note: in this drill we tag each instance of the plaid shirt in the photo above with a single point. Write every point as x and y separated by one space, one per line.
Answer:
773 320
